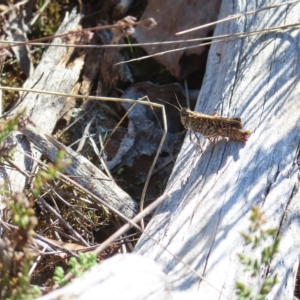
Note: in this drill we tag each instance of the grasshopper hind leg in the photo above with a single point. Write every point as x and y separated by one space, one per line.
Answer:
195 143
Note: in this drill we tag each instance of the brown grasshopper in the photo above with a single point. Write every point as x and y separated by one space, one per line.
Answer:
212 126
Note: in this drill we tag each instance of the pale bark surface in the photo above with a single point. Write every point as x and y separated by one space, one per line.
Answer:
256 78
126 277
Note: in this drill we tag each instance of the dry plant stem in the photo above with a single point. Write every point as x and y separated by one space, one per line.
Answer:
47 250
156 156
19 101
131 223
218 39
37 236
49 219
48 38
23 172
74 196
101 153
38 244
123 240
15 6
85 134
111 99
54 245
118 125
157 153
100 141
52 198
37 260
39 12
56 233
154 162
79 140
63 233
103 163
80 5
236 16
63 221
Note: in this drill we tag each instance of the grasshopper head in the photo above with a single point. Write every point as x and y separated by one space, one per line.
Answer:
184 116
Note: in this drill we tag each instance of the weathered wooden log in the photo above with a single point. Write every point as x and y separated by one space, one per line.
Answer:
127 277
255 78
86 174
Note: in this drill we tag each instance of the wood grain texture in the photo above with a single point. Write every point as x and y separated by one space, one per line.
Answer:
257 79
86 174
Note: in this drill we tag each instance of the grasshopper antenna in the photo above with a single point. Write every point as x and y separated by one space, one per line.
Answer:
177 100
172 104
